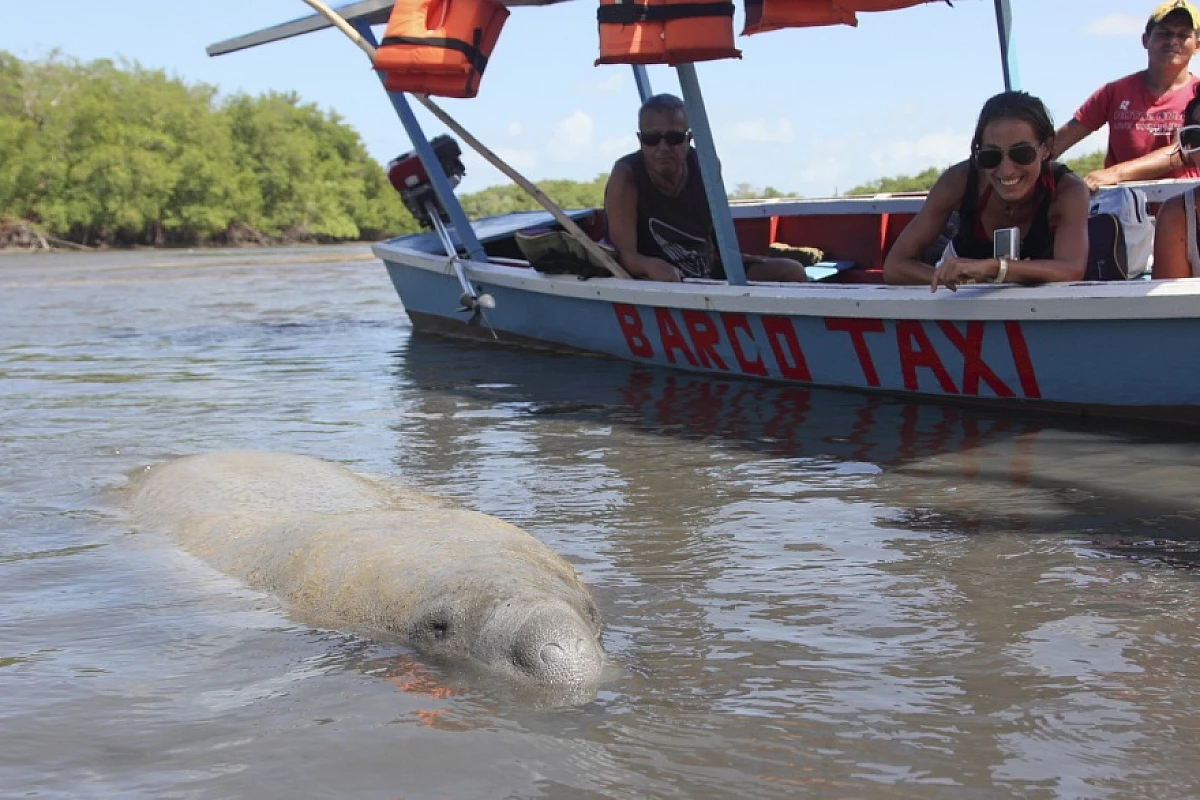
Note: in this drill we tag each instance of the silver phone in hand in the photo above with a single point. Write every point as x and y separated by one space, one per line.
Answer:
1006 242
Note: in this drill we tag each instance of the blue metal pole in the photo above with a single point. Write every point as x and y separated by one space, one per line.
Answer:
710 171
642 79
433 167
1008 61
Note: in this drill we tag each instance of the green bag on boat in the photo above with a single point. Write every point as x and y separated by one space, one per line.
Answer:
556 252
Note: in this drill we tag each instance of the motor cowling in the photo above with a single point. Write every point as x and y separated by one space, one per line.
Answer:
409 177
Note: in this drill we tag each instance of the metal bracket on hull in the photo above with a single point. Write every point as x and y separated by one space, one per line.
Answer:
470 300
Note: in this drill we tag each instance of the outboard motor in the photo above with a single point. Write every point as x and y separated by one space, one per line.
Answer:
408 175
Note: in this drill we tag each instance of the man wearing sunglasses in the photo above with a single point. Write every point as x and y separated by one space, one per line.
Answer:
657 212
1143 110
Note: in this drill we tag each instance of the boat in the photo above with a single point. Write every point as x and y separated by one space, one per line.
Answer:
1083 348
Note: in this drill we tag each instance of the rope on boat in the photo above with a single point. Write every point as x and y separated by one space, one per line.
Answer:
533 191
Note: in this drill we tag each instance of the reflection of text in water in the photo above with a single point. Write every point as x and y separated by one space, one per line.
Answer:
927 353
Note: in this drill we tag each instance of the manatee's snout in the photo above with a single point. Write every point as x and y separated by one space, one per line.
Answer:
549 644
555 648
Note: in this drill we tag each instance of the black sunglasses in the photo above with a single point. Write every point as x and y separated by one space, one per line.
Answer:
1189 138
1022 154
673 138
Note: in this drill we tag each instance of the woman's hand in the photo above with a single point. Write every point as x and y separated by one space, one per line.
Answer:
954 271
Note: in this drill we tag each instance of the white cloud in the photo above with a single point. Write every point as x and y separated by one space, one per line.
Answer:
519 158
616 147
571 139
757 130
614 81
909 156
839 163
514 129
820 176
1116 25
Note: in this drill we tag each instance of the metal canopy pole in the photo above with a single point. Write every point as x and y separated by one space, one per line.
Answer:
642 78
710 172
433 167
1008 61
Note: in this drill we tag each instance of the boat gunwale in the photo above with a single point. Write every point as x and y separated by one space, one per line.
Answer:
1076 301
1157 191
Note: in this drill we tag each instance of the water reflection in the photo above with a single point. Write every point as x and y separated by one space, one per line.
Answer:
944 467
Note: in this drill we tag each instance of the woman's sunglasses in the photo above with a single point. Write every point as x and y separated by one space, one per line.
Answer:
673 138
1022 155
1189 138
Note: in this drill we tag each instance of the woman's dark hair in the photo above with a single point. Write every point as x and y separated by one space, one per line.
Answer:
1192 105
1020 106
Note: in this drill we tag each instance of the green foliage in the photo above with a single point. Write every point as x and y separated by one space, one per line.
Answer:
921 182
745 191
564 193
110 153
570 194
119 154
1084 164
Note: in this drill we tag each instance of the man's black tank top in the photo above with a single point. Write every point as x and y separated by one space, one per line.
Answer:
679 229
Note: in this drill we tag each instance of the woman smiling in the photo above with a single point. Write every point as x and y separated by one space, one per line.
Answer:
1009 181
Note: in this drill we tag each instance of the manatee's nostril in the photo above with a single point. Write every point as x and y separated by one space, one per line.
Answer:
552 653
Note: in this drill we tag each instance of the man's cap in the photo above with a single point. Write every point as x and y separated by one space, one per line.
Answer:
1160 13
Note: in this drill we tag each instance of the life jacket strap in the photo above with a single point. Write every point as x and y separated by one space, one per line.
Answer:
475 56
632 13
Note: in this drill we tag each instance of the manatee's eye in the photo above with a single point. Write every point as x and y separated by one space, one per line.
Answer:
438 627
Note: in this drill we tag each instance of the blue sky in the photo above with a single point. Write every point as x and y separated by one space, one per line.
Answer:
812 111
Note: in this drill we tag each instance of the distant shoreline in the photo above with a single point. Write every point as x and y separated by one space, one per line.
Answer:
22 237
232 249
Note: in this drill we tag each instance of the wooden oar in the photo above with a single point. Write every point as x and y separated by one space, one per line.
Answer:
533 191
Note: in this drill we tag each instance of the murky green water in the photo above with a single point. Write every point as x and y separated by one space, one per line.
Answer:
806 594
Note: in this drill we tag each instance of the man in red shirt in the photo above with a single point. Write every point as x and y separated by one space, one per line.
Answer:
1144 110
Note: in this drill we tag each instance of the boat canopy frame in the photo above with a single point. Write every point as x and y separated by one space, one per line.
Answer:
361 15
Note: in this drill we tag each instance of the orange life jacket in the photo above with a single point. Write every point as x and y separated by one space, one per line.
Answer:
439 47
665 31
770 15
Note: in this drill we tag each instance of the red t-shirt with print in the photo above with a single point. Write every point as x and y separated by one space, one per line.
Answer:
1138 122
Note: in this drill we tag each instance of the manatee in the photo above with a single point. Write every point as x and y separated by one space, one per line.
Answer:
344 551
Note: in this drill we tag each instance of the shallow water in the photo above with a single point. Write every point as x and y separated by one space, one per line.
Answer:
805 593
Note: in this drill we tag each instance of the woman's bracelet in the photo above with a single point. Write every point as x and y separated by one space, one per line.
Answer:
1001 270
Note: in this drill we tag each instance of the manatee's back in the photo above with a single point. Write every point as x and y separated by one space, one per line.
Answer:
250 482
321 536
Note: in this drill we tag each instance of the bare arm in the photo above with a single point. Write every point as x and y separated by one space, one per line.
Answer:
620 208
903 264
1170 241
1066 137
1157 164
